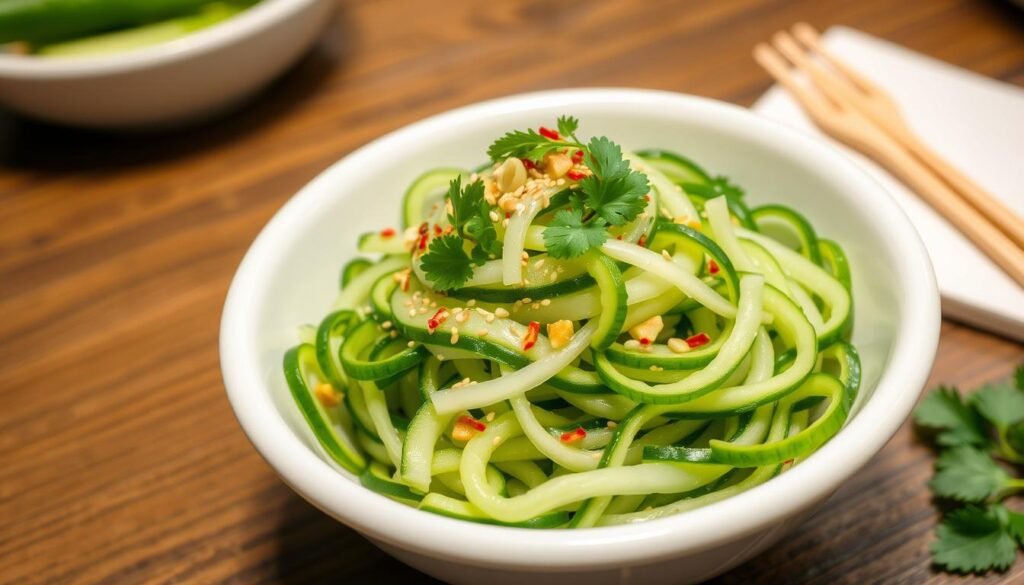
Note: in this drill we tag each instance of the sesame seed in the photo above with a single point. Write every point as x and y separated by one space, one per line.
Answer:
490 416
611 424
411 344
545 302
482 333
455 335
666 255
631 344
535 306
471 303
527 300
496 441
412 312
393 334
539 263
489 318
494 215
387 324
423 311
501 312
461 317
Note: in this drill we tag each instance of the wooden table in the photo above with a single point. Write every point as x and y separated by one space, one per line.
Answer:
121 460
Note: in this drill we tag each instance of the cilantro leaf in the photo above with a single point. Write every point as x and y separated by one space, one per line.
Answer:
567 125
974 539
568 237
967 474
465 201
945 411
1015 525
1000 404
446 263
529 143
614 191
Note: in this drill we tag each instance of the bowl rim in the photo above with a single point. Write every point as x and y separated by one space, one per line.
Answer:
495 546
251 22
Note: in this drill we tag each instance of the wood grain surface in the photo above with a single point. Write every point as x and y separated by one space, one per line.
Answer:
120 460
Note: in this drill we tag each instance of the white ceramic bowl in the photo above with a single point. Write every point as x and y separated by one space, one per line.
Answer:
289 277
179 81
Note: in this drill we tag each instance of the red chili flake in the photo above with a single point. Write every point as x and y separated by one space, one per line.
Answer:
698 340
528 164
573 436
712 267
439 317
530 337
647 197
788 462
423 242
642 241
387 232
508 214
577 157
549 133
424 228
645 341
472 422
437 229
575 175
618 237
405 282
449 229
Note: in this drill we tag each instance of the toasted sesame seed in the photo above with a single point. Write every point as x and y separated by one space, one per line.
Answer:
482 332
527 300
490 416
393 334
455 335
545 302
539 263
535 306
387 324
611 424
494 215
411 344
412 312
423 310
496 441
461 317
471 303
666 255
501 312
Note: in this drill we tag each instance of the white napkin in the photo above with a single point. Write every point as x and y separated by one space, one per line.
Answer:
974 122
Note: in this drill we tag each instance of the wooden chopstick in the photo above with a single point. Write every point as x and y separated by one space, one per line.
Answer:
838 118
881 109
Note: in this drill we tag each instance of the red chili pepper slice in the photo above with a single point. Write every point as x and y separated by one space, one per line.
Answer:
472 422
577 157
530 338
387 232
712 267
575 175
439 317
572 436
698 340
549 133
423 242
529 164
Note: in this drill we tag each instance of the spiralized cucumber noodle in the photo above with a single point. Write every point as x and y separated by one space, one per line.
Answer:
572 336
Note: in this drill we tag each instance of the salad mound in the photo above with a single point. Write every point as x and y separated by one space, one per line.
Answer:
573 335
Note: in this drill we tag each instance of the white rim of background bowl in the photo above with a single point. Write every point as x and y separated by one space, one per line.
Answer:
595 548
252 21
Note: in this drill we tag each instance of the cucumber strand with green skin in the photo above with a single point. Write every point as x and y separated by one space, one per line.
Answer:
41 21
144 35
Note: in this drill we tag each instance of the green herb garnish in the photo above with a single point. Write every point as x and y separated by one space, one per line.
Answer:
977 439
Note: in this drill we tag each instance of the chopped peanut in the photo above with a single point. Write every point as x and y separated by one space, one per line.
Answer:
557 164
508 203
511 175
327 395
678 345
648 330
560 332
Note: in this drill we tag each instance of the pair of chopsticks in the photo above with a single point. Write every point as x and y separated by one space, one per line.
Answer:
858 113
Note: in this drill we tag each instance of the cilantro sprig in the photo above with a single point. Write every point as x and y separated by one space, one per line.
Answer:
611 194
449 260
979 440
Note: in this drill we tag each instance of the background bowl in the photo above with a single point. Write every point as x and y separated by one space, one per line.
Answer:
289 277
189 78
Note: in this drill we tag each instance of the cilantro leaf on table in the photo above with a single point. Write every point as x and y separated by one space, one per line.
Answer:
567 236
1000 404
974 540
614 191
958 424
967 474
446 263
